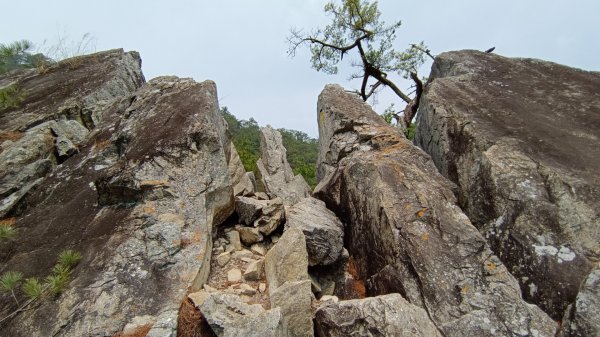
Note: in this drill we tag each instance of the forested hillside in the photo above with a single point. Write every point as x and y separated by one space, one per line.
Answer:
301 149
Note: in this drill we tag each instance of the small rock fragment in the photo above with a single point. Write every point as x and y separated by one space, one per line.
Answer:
254 270
234 275
223 258
246 289
249 235
259 249
234 240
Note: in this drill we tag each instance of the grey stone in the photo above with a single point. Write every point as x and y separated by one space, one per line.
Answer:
519 138
139 200
266 215
246 289
223 258
241 181
261 196
234 239
242 254
259 248
249 235
329 298
583 317
287 260
198 297
234 275
228 316
294 298
254 270
381 316
404 227
276 173
323 230
59 109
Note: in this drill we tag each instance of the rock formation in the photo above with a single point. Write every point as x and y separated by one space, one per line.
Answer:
143 180
276 174
406 231
386 315
58 111
138 198
520 137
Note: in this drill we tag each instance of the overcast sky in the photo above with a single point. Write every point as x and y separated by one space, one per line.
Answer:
241 45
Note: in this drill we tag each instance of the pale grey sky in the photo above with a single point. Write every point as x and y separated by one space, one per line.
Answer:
241 44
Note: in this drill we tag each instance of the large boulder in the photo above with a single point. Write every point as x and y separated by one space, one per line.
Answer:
59 107
520 137
275 172
323 230
229 316
382 316
286 269
405 230
139 201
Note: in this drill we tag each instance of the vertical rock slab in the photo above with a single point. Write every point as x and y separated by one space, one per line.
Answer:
275 171
286 269
59 107
520 139
139 201
381 316
405 231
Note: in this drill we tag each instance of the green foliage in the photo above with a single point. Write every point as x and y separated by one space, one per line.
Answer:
11 97
301 149
10 280
356 24
32 288
68 259
302 152
410 132
16 55
7 232
57 282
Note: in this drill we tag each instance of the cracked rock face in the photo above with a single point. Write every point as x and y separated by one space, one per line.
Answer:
381 316
139 201
519 138
59 109
323 230
275 171
405 231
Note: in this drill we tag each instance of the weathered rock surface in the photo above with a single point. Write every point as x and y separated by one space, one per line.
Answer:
249 235
242 183
228 316
294 299
275 171
323 230
381 316
582 318
287 260
265 215
286 269
59 109
520 139
139 201
402 220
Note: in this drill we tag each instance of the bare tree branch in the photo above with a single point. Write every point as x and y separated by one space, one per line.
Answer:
426 51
